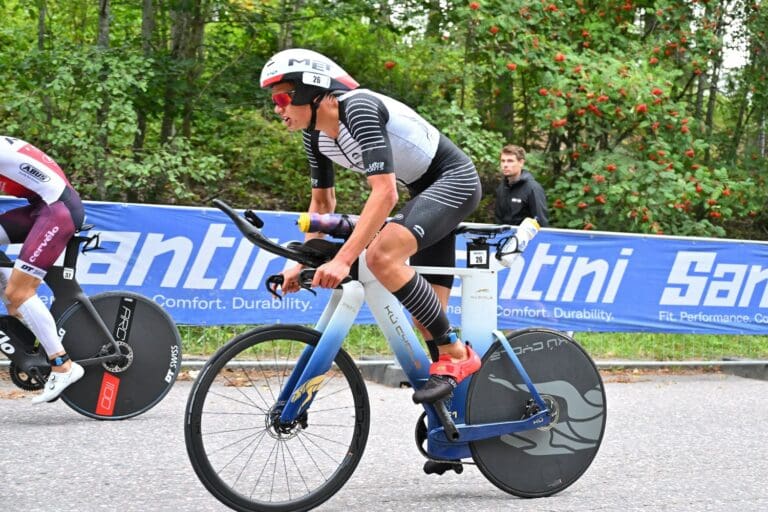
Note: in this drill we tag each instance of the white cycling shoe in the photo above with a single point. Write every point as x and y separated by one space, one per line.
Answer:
58 382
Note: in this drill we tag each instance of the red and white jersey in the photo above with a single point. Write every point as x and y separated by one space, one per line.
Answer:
27 172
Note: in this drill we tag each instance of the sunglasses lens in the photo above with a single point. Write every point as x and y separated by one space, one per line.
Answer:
282 99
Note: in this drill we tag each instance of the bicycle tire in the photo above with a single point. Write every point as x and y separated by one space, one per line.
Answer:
540 462
227 425
155 345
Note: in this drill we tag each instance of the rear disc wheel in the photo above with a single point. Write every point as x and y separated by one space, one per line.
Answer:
150 348
538 462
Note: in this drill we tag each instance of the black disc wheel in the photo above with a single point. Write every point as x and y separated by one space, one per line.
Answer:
244 455
544 461
150 355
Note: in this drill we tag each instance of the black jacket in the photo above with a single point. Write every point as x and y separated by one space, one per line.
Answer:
523 198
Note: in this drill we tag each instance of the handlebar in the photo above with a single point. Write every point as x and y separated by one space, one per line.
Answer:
250 226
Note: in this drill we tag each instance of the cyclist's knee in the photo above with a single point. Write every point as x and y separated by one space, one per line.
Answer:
15 297
17 294
379 261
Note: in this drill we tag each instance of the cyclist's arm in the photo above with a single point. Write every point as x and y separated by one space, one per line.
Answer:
381 201
366 118
322 175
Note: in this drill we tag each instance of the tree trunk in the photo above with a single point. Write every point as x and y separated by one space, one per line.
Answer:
717 63
288 9
42 12
147 31
742 117
187 33
102 113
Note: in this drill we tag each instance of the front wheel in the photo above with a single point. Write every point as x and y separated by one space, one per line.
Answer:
543 461
149 342
240 451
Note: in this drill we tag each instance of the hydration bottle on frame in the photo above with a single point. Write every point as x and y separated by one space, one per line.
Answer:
338 225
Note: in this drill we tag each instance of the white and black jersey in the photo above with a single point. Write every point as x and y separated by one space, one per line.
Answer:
379 135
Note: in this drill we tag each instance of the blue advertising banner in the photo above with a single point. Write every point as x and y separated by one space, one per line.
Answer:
195 264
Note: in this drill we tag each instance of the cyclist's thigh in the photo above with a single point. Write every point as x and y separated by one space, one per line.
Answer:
433 213
53 227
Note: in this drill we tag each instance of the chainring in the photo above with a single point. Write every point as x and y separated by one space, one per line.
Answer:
24 380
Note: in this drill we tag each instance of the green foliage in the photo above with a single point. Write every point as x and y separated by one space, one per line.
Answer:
610 98
607 98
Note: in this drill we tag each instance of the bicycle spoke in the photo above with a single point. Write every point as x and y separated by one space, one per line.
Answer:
298 468
229 431
250 403
234 385
312 458
238 453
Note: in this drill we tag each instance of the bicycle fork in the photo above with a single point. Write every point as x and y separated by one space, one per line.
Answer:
308 375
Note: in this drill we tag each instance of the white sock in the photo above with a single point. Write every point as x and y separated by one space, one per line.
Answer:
40 322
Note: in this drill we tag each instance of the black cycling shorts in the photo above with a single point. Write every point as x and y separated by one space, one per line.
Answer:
440 200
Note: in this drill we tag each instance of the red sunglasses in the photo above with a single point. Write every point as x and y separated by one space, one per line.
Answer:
283 99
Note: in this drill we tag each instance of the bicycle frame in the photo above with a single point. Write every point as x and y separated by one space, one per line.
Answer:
478 313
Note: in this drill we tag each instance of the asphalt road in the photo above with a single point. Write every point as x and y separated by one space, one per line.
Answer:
675 442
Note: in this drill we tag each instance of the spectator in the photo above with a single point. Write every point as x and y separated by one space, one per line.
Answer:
519 195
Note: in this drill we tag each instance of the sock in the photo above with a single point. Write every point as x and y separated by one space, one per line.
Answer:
418 297
40 322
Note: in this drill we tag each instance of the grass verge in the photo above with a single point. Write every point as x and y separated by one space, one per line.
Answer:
367 341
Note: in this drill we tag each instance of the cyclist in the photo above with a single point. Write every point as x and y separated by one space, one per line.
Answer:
387 141
44 226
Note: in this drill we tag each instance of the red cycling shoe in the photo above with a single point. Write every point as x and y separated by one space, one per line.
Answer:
445 375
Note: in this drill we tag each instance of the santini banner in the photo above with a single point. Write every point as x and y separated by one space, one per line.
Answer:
196 265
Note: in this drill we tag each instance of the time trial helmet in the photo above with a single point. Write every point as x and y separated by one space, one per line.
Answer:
312 73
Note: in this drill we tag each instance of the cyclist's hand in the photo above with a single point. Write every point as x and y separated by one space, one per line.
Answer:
331 274
291 279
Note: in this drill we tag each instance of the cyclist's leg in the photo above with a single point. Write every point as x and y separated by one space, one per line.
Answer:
51 228
14 227
386 257
430 218
441 254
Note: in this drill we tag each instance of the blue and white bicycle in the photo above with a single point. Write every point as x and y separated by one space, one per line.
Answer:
278 418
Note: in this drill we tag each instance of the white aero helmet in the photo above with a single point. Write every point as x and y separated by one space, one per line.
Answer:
311 72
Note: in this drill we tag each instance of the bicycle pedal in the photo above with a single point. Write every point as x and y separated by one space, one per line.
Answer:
433 467
438 387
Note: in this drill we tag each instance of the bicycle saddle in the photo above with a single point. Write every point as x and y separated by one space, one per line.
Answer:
316 250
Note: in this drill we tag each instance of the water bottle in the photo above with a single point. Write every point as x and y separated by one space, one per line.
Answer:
516 244
525 232
338 225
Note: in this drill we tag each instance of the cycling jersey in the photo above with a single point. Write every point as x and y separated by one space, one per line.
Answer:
379 135
27 172
54 213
